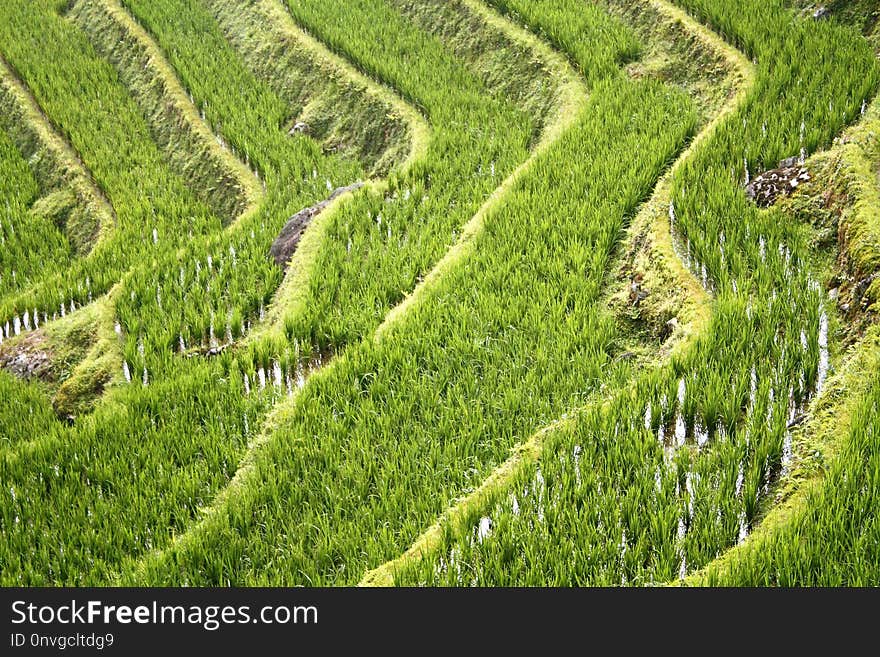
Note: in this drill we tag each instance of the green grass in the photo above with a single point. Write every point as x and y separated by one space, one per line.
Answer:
194 473
380 440
29 240
211 406
609 503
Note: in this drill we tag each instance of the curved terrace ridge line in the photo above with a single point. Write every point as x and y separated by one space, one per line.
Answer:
301 263
291 292
571 94
697 301
107 343
61 149
106 347
175 92
830 413
421 132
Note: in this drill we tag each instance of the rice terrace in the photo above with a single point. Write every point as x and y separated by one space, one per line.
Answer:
439 292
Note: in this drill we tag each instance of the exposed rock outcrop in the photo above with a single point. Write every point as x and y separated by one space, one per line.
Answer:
770 185
285 244
300 128
28 359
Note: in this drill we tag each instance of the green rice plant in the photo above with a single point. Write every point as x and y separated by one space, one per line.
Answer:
25 411
764 352
205 282
189 446
654 472
29 239
829 540
382 438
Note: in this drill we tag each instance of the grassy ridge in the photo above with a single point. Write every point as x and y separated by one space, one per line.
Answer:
508 66
612 501
857 166
379 441
146 195
210 407
29 240
573 28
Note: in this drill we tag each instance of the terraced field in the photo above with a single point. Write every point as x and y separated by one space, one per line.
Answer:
439 292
